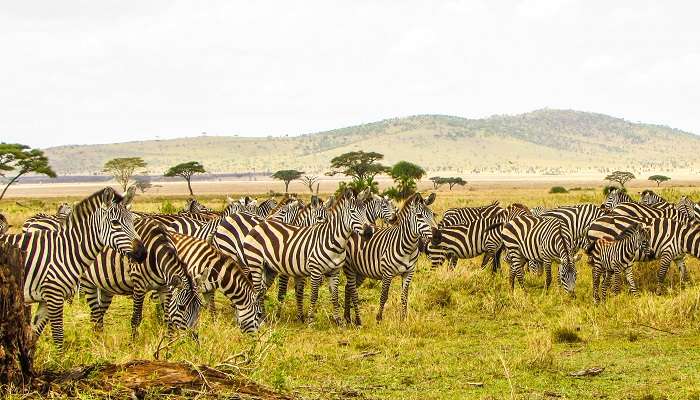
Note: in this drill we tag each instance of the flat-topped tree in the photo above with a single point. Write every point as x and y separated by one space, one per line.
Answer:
22 160
438 181
405 175
659 179
620 177
122 169
455 181
361 166
287 175
186 170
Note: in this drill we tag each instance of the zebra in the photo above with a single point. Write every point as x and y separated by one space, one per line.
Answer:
543 240
650 198
610 258
55 260
43 221
669 240
273 247
467 241
220 271
456 216
537 211
192 206
4 225
113 274
381 207
390 252
615 196
643 211
264 208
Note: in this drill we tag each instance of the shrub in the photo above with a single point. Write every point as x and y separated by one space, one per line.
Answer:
558 189
565 334
167 207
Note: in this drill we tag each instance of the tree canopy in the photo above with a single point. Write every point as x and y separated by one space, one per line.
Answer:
186 170
287 175
23 160
361 166
405 175
620 177
452 181
122 169
659 179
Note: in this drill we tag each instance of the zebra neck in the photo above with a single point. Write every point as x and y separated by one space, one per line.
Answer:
79 243
691 240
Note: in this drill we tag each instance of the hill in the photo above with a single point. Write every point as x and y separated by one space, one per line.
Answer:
539 142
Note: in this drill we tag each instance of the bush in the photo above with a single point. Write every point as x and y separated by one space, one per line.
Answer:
565 335
167 207
558 189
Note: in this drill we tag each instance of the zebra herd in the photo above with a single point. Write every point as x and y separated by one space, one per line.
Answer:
103 249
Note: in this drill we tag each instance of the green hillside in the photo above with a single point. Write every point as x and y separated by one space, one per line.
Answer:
540 142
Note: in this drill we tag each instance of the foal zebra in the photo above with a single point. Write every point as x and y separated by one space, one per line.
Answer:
55 260
610 258
543 240
273 247
113 274
389 252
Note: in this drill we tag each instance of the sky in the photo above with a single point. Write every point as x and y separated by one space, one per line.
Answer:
78 72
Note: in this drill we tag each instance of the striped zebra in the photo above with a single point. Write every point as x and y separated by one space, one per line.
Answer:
537 211
615 196
381 207
192 206
610 258
211 266
644 212
4 225
264 208
390 252
43 221
651 198
55 260
670 240
272 248
456 216
543 240
466 241
113 274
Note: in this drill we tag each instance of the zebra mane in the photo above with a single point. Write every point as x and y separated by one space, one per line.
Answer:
522 207
90 204
285 200
404 207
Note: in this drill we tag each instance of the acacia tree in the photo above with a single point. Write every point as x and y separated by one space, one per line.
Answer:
621 177
143 183
438 181
287 175
405 175
455 181
659 179
122 169
309 182
186 170
361 166
23 160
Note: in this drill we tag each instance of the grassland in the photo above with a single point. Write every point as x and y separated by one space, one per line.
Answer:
466 335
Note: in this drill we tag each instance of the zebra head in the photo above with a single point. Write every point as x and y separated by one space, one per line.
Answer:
421 218
649 198
186 302
116 224
686 207
64 210
615 197
4 225
194 206
381 207
264 209
352 211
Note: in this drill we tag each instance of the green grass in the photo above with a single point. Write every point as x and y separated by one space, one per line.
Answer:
463 327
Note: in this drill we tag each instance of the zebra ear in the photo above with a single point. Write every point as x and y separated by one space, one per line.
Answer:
348 194
315 201
430 199
130 194
108 196
177 282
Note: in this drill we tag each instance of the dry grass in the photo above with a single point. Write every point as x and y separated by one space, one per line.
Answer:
463 326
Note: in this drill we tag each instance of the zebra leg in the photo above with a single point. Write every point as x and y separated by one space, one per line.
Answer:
547 267
349 283
630 280
407 277
664 263
41 317
299 284
54 303
606 283
595 271
282 283
316 280
137 312
333 287
98 301
386 284
452 258
680 262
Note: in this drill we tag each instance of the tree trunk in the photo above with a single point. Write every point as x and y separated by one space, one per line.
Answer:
16 336
189 186
13 180
286 186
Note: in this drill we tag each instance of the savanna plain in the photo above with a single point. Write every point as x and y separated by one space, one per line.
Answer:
466 335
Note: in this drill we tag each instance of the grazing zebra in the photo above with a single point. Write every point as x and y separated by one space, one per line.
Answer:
264 209
465 241
273 247
610 258
650 198
192 206
113 274
539 239
390 252
669 240
644 212
537 211
615 196
456 216
220 271
4 225
55 260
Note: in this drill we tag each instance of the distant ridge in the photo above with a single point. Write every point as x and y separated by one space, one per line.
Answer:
545 141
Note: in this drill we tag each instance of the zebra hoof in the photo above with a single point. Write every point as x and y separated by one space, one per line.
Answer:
300 318
337 321
379 317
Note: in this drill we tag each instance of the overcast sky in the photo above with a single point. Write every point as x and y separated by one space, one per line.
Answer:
105 71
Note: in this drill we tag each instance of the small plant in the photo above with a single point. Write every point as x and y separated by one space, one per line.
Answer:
558 189
441 297
539 351
167 207
565 334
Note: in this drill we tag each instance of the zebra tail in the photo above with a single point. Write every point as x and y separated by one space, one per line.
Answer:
496 260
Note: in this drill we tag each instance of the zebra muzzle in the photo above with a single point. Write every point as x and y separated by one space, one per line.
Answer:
436 237
138 254
367 232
